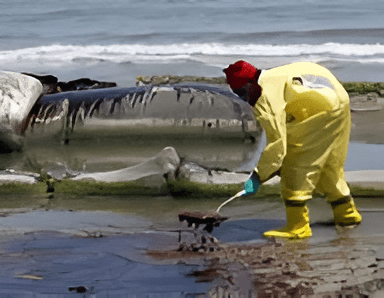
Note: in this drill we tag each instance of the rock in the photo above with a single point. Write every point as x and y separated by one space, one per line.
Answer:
153 172
80 289
365 103
51 84
58 171
222 177
82 84
15 178
18 94
196 173
193 172
363 98
372 96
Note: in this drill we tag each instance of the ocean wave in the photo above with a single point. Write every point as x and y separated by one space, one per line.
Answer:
123 53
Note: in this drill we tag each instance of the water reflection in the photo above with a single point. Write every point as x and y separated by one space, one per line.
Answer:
102 153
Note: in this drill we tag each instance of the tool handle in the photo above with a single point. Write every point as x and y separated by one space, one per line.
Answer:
239 194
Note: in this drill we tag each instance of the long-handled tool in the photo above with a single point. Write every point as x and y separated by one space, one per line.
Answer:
209 218
238 195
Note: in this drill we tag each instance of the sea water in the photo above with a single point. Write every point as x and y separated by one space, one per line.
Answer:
117 40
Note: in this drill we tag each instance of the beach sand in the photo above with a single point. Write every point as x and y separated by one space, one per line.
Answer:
63 252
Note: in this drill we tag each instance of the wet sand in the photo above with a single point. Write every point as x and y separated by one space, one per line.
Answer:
49 252
130 249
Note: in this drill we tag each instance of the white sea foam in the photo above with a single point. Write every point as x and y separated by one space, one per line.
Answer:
369 53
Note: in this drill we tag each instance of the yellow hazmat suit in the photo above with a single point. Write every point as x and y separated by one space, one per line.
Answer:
305 113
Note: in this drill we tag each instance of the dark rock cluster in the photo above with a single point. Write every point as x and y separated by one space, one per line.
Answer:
52 85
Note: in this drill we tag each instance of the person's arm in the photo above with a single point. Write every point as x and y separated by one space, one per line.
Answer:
271 115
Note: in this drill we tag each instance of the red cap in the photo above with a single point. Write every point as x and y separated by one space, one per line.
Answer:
239 74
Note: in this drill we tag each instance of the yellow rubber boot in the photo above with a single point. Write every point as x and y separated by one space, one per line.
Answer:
297 224
345 212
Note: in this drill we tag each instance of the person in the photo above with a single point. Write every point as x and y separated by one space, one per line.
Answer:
304 111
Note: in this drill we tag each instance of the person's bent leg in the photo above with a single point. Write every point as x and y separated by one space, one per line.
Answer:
332 181
333 185
309 144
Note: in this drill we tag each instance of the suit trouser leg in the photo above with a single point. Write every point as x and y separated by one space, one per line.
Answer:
315 160
309 145
316 152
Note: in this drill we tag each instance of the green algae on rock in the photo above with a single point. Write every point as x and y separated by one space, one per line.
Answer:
179 188
171 79
350 87
364 87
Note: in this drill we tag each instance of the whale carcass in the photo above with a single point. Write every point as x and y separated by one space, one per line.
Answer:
187 105
18 94
96 122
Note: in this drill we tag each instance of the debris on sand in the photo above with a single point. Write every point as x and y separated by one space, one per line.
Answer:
277 268
209 218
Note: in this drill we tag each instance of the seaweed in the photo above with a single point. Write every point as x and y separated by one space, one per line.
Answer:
364 87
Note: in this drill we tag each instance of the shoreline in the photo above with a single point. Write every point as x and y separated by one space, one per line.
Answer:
363 183
367 107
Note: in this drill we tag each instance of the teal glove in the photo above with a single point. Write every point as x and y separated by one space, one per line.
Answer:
252 184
